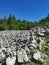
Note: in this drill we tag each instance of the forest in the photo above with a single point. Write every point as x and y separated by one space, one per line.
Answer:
11 23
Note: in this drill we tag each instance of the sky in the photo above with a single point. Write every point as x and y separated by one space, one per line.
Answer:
30 10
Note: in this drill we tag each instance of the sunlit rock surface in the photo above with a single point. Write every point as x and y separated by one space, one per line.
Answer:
22 46
10 61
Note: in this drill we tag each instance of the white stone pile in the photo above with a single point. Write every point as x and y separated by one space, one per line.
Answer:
17 44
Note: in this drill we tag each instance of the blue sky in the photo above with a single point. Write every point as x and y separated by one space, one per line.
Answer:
31 10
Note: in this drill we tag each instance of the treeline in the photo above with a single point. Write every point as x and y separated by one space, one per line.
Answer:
11 23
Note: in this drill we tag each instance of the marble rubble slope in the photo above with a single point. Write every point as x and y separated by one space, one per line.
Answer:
24 46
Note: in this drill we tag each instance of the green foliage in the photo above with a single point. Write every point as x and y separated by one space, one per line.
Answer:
3 26
12 24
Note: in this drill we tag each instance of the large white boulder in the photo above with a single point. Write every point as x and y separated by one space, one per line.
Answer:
10 61
39 56
25 57
20 58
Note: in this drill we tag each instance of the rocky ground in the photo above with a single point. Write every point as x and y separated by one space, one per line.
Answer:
24 47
